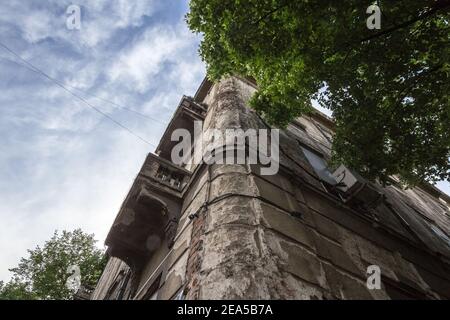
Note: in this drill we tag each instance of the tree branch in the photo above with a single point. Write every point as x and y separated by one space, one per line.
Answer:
404 93
270 13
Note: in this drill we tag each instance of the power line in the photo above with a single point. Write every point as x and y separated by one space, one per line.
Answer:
58 83
118 106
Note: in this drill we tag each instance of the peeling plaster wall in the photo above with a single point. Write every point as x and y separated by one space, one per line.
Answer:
109 275
246 236
277 238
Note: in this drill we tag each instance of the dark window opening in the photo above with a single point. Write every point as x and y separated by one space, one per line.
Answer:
152 292
319 165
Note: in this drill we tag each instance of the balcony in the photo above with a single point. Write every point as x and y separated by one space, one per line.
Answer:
164 174
148 217
187 113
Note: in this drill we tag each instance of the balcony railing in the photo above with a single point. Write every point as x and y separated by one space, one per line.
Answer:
165 172
149 215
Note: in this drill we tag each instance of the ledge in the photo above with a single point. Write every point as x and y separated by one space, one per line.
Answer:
149 215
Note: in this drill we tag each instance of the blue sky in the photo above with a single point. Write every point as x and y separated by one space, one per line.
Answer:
62 165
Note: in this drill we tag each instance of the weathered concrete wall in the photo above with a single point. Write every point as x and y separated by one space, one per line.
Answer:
113 268
281 237
186 242
242 235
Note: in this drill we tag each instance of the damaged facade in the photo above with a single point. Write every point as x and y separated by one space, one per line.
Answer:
224 231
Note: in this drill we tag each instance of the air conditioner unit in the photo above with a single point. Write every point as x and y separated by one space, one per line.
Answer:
356 189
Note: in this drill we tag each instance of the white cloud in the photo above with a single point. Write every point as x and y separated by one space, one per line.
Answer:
62 165
37 26
158 46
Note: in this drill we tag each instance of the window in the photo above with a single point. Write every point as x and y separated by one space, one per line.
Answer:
112 292
152 292
153 296
124 285
320 165
446 206
441 234
179 295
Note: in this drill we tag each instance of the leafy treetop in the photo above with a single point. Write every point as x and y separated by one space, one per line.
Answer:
43 274
388 89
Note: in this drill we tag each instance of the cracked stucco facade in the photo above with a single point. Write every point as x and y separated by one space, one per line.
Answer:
241 235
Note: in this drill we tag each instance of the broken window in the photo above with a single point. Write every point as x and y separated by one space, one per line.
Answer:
441 234
319 165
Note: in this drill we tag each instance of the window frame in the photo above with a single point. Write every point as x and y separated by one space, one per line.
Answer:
324 174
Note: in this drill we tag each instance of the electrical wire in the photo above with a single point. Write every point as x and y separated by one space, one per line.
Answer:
58 83
118 106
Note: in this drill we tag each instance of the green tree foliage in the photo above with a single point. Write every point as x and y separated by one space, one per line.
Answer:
43 274
388 89
15 290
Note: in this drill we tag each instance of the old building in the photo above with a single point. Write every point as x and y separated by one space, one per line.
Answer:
224 231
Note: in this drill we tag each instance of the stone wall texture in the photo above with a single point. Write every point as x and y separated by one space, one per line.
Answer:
242 235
